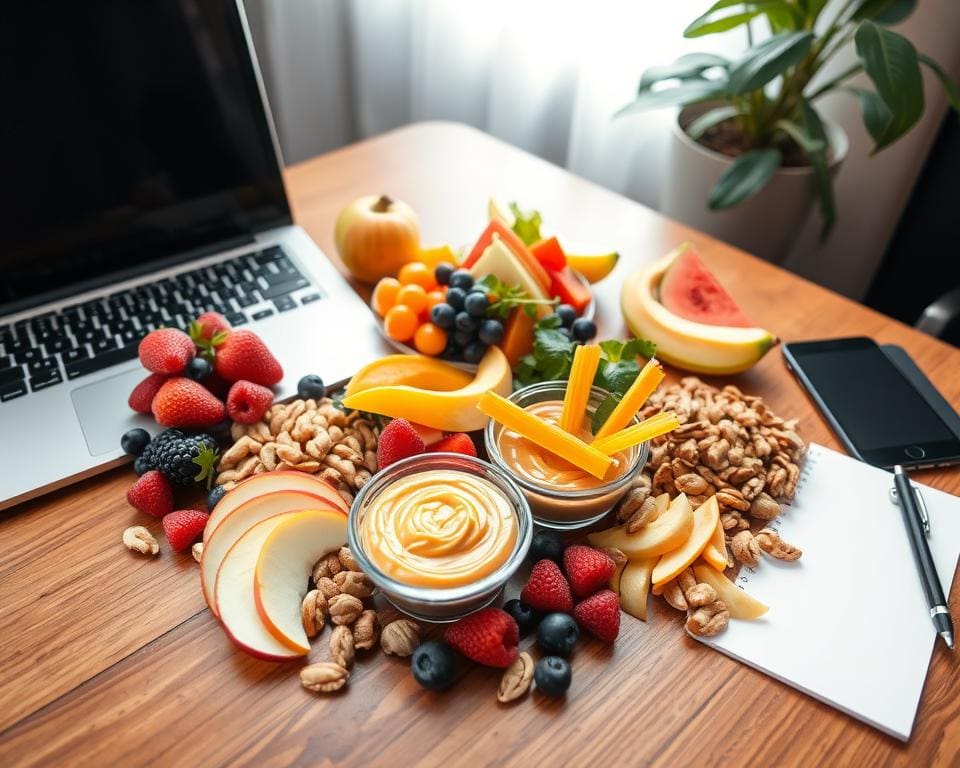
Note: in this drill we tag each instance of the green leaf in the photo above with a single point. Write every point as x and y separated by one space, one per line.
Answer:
807 143
781 14
549 322
821 170
748 174
687 66
554 354
616 377
603 411
205 460
635 348
950 87
688 92
886 12
526 224
708 119
764 61
890 60
876 116
611 350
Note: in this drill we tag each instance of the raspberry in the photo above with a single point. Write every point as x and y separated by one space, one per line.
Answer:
489 637
547 590
600 615
587 569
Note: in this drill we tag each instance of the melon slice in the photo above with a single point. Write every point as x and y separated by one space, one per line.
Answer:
499 260
689 290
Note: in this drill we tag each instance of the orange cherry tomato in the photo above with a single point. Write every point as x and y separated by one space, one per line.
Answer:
430 340
400 322
417 273
385 295
434 298
414 297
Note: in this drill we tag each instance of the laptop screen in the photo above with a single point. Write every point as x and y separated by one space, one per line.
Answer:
132 132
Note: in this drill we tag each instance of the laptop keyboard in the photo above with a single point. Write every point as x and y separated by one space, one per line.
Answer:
48 349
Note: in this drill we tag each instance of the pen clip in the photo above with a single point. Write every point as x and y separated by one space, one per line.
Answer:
921 506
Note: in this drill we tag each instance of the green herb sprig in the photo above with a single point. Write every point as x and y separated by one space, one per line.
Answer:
506 298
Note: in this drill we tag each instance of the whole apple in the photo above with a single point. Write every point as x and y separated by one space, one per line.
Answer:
376 235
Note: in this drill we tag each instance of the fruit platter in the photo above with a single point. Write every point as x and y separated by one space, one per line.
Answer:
500 492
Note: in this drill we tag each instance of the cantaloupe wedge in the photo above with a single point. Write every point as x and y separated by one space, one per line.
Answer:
635 586
453 411
739 603
715 553
411 370
517 336
672 564
666 533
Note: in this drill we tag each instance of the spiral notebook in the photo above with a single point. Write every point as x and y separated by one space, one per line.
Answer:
848 623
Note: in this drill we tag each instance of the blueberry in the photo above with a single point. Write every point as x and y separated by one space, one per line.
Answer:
461 279
523 614
567 314
141 465
557 633
465 322
583 329
455 297
216 493
433 665
134 441
491 332
462 338
552 676
474 351
476 303
442 273
546 545
443 315
198 369
311 386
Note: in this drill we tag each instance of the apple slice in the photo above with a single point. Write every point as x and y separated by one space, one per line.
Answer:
672 564
234 595
284 566
240 521
664 534
635 587
739 603
268 482
715 552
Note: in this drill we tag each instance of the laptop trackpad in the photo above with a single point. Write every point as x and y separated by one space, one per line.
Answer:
103 411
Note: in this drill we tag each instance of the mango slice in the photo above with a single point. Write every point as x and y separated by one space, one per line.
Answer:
410 370
638 433
664 534
452 411
739 603
705 519
648 380
715 553
635 587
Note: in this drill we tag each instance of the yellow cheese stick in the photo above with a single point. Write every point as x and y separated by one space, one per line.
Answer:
584 368
647 380
638 433
548 436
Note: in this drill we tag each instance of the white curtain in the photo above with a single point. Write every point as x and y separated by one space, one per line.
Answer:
547 77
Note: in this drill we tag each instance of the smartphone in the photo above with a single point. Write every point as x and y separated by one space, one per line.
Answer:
875 411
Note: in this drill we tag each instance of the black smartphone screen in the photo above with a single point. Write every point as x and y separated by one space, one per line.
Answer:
877 411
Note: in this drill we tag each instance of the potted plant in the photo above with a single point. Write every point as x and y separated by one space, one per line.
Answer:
749 140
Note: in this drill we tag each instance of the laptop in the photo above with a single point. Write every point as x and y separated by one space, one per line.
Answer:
141 186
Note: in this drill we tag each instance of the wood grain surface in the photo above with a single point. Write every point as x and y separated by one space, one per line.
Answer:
107 658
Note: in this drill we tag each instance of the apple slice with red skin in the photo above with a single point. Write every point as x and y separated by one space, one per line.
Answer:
241 520
283 570
268 482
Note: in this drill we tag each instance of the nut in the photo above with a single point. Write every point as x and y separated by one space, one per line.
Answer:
691 484
771 543
344 609
632 502
345 556
674 596
644 515
329 565
312 611
700 594
746 548
324 677
341 646
616 555
400 637
366 630
516 679
328 588
354 583
764 507
139 539
197 551
709 620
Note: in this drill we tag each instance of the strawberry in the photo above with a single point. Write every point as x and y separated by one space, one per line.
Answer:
247 402
242 355
166 350
587 569
599 614
398 441
456 443
184 527
185 403
152 494
489 637
546 589
141 399
208 325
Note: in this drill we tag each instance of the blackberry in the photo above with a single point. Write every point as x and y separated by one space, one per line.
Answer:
184 459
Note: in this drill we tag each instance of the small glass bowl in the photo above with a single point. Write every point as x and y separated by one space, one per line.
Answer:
440 604
564 509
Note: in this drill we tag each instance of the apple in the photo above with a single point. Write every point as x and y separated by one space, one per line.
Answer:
234 598
241 520
268 482
284 566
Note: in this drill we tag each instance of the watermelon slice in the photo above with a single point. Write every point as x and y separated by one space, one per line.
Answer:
689 290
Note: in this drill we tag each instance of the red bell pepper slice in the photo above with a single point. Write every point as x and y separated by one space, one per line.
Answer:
565 285
549 253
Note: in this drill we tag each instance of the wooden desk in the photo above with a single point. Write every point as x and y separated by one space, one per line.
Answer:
108 658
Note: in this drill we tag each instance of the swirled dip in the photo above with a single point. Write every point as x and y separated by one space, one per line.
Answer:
440 528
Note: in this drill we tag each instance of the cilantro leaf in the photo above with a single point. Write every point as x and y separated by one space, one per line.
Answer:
612 350
616 377
526 224
603 411
638 347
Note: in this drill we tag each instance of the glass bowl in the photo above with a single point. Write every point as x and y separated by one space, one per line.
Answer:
435 603
564 508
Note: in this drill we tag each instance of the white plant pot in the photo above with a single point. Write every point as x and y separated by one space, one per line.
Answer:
765 224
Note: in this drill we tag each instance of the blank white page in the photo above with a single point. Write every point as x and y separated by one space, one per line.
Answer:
848 623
